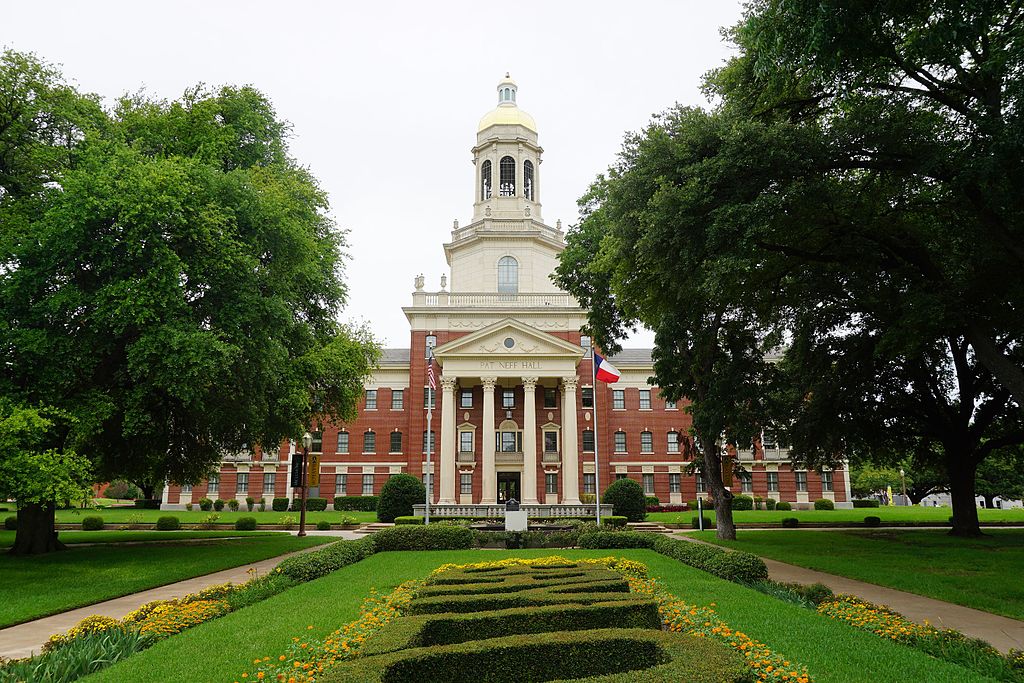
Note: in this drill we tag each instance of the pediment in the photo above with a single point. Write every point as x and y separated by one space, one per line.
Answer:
492 341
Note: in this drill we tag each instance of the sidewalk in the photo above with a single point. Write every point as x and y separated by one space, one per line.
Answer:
24 639
1001 632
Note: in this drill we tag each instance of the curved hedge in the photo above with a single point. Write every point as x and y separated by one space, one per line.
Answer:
398 495
627 499
430 537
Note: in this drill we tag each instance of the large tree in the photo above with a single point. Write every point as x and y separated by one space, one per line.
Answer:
178 287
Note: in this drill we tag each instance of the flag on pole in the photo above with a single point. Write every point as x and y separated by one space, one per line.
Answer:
605 371
430 373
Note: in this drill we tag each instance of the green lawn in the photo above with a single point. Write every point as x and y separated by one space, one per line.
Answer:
122 515
888 515
833 651
74 537
983 573
47 584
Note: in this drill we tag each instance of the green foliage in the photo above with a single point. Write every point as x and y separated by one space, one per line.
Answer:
10 523
770 503
408 519
626 497
615 520
783 505
651 500
92 523
323 525
168 523
867 479
317 563
312 504
398 495
432 537
121 490
740 567
824 504
790 522
872 521
205 504
245 524
233 505
218 505
77 658
356 503
279 504
703 522
148 503
865 503
742 503
616 539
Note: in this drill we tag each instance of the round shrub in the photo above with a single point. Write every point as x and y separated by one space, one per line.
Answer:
11 523
233 505
245 524
398 495
188 506
695 523
871 520
651 500
769 503
742 503
279 504
739 566
824 504
627 500
168 523
205 504
783 505
790 522
323 525
92 523
218 505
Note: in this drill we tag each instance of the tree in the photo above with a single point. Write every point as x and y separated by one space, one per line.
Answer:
398 495
1001 475
866 480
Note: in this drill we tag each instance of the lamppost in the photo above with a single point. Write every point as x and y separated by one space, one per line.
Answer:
307 443
903 485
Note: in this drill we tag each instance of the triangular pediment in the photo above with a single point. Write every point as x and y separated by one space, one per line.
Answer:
525 341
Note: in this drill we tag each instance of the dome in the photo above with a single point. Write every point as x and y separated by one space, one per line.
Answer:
507 113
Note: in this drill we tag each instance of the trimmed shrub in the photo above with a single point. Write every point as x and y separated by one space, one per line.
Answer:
92 523
872 521
168 523
651 500
312 504
614 520
824 504
119 489
323 525
616 539
692 504
865 503
188 506
245 524
357 503
233 505
148 503
432 537
249 503
287 521
698 555
398 495
218 505
11 523
790 522
280 504
262 504
769 503
695 523
739 567
783 505
205 504
742 503
313 565
627 499
408 519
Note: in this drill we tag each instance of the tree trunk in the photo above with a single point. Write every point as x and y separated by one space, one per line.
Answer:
712 471
990 501
961 490
36 535
147 490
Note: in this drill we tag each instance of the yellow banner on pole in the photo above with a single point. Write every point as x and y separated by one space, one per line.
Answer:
313 475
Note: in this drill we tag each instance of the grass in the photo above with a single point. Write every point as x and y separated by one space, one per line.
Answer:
75 537
123 515
983 573
834 652
888 515
38 586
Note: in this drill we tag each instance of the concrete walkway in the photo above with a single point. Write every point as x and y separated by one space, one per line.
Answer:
1001 632
24 639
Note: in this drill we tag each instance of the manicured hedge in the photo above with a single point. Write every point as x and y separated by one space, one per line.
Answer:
218 505
398 495
865 503
245 524
824 504
279 504
769 503
615 520
205 504
651 500
783 505
168 523
312 504
790 522
11 523
740 567
356 503
92 523
627 499
148 503
409 519
872 521
323 525
616 539
316 563
695 522
424 538
742 503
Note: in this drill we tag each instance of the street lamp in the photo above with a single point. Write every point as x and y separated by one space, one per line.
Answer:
903 485
307 443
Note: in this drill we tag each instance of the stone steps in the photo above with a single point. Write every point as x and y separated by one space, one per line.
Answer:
372 528
648 527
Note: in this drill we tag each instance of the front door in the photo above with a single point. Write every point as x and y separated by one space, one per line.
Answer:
508 486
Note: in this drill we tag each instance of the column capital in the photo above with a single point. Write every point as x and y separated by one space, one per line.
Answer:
569 383
489 383
529 383
448 383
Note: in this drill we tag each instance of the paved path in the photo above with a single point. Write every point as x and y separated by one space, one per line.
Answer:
1002 632
24 639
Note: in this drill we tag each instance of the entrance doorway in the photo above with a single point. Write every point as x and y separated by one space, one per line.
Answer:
509 486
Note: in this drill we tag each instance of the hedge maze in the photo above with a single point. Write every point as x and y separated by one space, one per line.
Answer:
540 622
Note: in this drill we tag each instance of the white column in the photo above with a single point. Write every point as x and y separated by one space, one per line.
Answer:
570 450
446 475
489 480
530 440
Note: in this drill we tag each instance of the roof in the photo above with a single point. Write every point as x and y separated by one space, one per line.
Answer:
507 114
627 357
394 357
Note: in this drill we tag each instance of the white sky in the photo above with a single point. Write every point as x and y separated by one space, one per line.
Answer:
385 97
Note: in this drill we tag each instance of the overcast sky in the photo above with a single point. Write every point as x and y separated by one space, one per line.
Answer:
385 97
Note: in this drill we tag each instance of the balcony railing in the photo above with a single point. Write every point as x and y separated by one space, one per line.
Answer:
466 457
550 458
494 300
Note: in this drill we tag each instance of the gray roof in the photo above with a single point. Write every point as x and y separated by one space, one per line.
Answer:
627 357
394 357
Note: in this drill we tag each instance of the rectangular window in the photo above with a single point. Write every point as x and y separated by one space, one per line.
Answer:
397 399
620 442
826 481
433 441
340 484
269 480
367 484
466 484
429 484
646 442
587 397
396 442
343 442
773 482
510 442
466 442
645 399
588 440
648 484
588 484
369 442
371 399
318 442
670 405
701 488
746 482
213 484
242 483
619 399
674 482
550 397
465 398
550 442
429 399
186 488
673 442
551 483
508 398
801 481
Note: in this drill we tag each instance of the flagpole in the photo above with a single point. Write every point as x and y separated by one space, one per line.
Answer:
430 413
597 440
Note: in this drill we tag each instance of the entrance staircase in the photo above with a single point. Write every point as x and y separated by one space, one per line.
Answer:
372 528
648 527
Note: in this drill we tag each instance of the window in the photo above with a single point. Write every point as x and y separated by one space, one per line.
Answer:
485 180
318 442
507 177
367 484
396 442
269 480
587 396
701 487
550 397
801 481
585 341
588 440
340 484
510 442
589 485
466 442
645 399
429 483
508 398
465 398
551 483
746 482
646 442
773 482
648 484
242 483
430 343
670 405
433 441
186 488
429 398
466 484
826 481
674 482
213 484
550 442
508 275
369 442
397 399
343 442
619 399
528 180
673 442
371 399
620 442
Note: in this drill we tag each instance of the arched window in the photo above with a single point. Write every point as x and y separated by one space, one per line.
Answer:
508 275
528 180
485 180
507 177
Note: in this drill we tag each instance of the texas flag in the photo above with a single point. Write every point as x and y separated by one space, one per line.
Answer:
605 371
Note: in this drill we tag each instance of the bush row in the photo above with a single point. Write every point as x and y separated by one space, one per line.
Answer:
314 564
865 503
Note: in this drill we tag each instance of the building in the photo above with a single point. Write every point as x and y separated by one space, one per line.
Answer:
517 407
